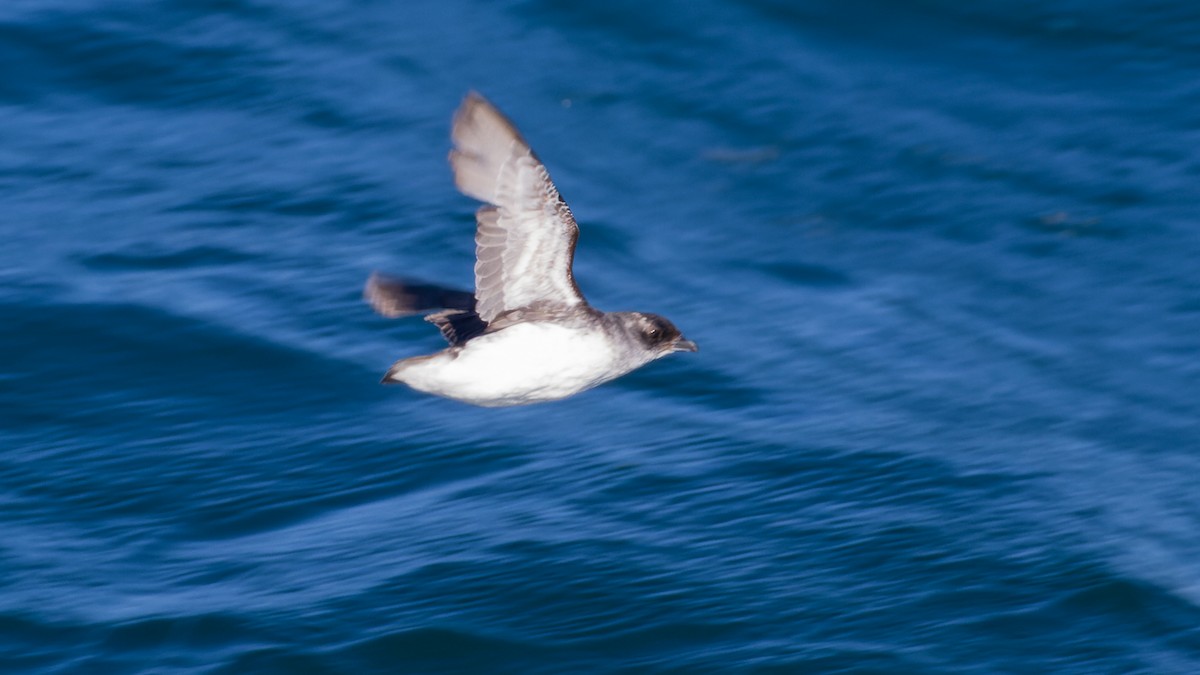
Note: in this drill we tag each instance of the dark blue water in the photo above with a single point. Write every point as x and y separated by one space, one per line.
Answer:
941 259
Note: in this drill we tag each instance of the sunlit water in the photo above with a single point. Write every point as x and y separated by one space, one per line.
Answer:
940 257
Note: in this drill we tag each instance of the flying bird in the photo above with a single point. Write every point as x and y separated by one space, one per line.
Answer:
526 335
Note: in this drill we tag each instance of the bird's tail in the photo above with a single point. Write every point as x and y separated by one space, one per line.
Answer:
397 373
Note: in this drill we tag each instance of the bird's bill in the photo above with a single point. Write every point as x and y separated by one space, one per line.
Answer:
682 345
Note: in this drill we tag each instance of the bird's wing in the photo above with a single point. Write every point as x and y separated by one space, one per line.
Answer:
458 326
394 297
525 241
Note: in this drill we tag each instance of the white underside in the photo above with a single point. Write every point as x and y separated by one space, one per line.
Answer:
525 363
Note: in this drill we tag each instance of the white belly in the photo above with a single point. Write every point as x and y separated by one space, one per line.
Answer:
525 363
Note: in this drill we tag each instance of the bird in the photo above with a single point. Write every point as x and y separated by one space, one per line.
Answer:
526 335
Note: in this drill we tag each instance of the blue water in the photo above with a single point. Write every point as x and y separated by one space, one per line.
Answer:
940 257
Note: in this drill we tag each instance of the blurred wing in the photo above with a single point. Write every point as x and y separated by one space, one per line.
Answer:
393 297
525 241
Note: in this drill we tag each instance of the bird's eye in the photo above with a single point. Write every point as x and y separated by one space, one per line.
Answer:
652 333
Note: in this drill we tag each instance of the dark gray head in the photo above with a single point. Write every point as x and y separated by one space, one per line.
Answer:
654 333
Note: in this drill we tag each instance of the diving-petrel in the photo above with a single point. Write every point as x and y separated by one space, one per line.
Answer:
526 335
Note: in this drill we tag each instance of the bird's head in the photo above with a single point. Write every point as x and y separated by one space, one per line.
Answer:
658 335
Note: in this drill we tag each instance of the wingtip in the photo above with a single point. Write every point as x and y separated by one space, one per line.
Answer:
371 288
477 112
375 292
470 103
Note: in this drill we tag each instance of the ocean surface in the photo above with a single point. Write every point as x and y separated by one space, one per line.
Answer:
942 260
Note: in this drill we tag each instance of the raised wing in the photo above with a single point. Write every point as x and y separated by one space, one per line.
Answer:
525 241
